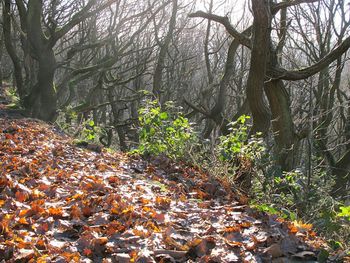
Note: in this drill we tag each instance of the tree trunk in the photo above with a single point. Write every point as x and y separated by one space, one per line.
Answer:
47 98
41 100
341 171
11 50
286 141
158 72
1 55
259 58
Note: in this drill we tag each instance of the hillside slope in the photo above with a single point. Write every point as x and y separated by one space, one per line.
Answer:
61 203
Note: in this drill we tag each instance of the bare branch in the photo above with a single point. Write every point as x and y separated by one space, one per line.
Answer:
242 38
196 108
80 16
278 73
277 7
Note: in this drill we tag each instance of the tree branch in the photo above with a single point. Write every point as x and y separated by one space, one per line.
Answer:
80 16
196 108
242 38
279 73
277 7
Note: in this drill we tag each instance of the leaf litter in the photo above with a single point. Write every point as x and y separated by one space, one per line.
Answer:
62 203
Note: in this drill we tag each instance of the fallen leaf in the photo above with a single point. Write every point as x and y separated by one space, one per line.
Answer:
23 221
55 212
304 255
274 250
200 247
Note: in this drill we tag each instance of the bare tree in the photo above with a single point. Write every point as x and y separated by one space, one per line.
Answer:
39 34
267 73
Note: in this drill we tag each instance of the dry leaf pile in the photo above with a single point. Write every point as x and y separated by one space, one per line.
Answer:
62 203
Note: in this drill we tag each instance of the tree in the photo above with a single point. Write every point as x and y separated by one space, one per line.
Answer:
40 32
158 72
266 73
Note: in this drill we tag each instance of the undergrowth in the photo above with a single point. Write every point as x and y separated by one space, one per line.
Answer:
83 130
241 159
164 131
14 100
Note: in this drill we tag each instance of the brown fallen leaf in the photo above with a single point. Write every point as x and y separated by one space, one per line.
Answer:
233 243
21 196
173 253
40 244
24 255
274 250
55 212
304 255
23 221
163 202
76 212
122 258
201 247
172 243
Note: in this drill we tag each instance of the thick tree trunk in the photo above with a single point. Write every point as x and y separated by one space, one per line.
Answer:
11 49
259 58
1 55
286 141
41 102
47 98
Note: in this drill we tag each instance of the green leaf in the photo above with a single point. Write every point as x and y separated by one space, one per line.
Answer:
164 115
345 212
91 137
335 244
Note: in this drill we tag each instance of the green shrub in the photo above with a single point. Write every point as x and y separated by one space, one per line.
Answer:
164 131
273 210
236 143
82 130
237 155
345 212
288 195
89 131
11 94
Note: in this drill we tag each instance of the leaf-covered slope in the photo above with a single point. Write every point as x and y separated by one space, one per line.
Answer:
61 203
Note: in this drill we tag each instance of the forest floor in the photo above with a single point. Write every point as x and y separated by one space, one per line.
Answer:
62 203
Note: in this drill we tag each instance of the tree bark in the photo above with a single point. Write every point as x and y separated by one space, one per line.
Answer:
1 57
216 112
48 96
258 63
42 100
158 72
341 171
7 28
286 140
